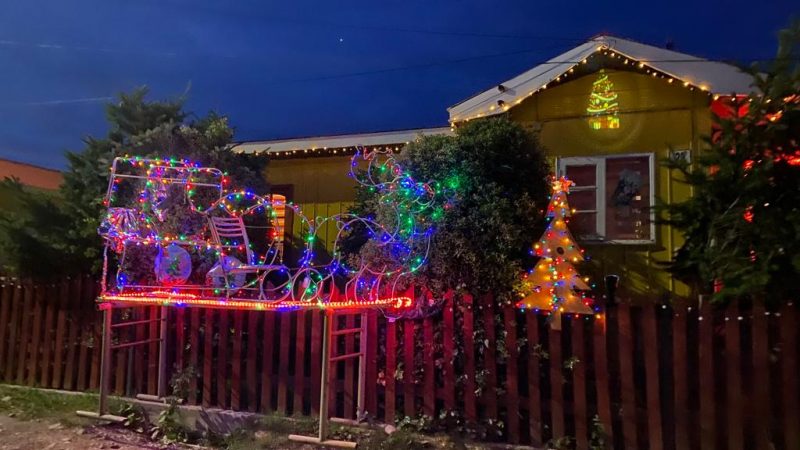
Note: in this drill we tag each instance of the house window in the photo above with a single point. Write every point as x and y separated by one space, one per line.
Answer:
613 197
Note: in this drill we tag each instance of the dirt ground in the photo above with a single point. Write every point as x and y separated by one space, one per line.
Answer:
42 435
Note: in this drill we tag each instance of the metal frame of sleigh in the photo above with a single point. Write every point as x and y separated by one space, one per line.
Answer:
150 192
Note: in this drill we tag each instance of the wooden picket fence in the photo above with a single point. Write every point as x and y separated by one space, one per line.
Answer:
658 377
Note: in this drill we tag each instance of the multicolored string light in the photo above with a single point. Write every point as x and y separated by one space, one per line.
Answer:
409 213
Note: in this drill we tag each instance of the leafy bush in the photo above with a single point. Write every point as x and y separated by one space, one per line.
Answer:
501 188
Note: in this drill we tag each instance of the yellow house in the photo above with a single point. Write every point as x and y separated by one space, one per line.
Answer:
607 112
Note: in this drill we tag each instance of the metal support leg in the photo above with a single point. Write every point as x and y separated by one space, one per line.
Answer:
362 369
162 355
324 382
324 420
105 374
105 361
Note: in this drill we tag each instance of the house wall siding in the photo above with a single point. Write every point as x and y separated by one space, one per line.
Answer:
655 116
320 187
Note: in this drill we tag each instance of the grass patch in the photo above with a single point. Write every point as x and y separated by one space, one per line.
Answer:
269 433
29 404
272 433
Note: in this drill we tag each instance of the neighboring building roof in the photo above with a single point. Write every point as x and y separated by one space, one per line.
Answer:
711 76
30 175
337 144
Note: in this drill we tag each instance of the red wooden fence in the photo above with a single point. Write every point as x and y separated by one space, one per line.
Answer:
658 377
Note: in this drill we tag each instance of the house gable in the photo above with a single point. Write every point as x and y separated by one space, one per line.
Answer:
672 67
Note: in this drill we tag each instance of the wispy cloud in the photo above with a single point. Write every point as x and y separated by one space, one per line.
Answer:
66 101
79 48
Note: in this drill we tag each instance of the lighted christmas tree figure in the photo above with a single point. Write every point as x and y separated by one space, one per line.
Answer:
603 106
554 284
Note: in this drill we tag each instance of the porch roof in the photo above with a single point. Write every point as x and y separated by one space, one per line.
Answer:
341 144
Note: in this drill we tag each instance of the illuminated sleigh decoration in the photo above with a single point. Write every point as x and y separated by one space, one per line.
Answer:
149 200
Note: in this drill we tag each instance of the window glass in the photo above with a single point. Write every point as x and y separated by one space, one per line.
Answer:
627 195
583 175
583 199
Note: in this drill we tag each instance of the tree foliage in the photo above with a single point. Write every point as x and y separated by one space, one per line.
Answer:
55 235
742 223
482 242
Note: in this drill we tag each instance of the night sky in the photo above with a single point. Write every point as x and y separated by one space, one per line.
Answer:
300 68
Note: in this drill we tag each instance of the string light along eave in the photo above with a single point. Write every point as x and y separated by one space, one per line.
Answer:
320 152
499 106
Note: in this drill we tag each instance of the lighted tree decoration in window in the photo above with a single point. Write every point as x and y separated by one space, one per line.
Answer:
603 106
554 285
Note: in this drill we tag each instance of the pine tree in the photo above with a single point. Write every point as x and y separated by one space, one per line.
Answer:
603 106
53 236
554 284
742 225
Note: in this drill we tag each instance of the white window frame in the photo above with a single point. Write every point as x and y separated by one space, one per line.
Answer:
600 198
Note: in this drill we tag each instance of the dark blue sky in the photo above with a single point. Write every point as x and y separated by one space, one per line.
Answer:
283 69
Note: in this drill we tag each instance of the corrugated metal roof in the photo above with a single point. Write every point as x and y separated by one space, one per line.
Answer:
712 76
339 141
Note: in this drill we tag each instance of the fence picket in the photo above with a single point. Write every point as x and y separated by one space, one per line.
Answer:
761 378
535 425
579 383
251 363
61 329
390 373
429 368
554 349
680 376
409 406
470 403
97 335
706 377
13 333
25 331
35 338
448 349
489 397
626 355
208 356
266 363
194 353
236 361
299 364
46 366
371 400
283 363
789 366
316 359
222 359
180 338
74 326
7 288
512 373
733 358
652 376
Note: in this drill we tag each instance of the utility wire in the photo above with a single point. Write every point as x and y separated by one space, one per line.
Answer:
402 68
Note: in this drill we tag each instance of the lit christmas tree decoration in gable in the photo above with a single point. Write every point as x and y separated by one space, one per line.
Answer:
603 105
554 285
